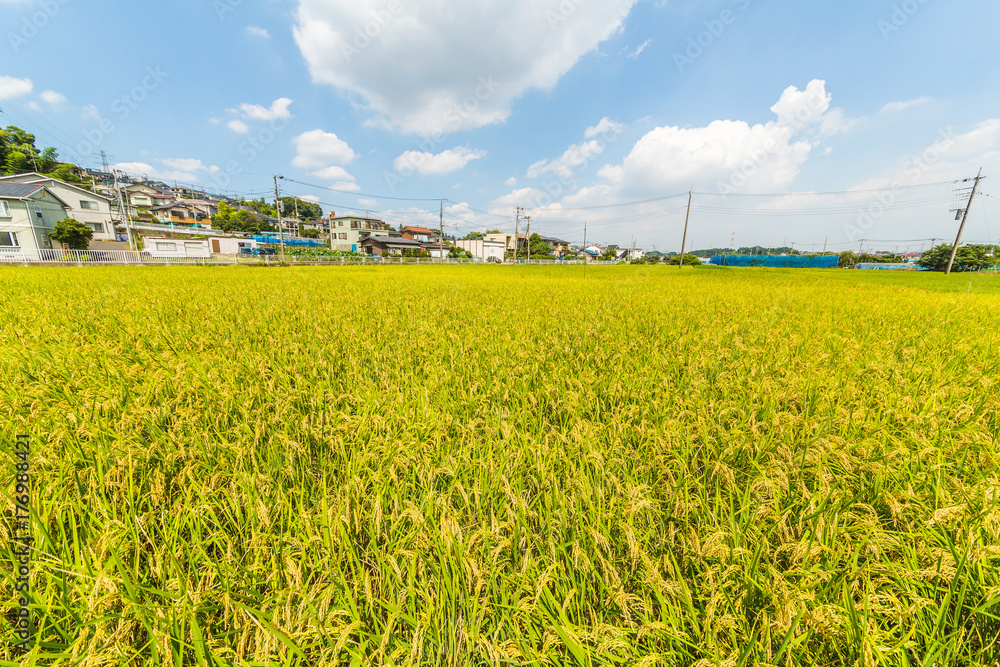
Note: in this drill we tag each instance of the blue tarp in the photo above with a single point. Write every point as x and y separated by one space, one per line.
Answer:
305 243
778 262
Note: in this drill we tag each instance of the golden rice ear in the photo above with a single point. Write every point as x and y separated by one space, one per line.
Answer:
417 465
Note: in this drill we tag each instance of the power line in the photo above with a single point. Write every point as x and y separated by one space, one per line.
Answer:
359 194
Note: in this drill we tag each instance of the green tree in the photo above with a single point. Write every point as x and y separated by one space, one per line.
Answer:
539 248
968 258
17 163
309 233
688 259
72 234
474 236
609 255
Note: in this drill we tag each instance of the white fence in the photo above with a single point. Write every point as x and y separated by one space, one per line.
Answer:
127 257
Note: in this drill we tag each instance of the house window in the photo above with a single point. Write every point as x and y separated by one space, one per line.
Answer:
197 247
8 239
343 236
38 212
98 227
4 209
166 247
180 215
89 205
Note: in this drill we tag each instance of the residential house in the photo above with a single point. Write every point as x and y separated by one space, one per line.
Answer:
559 247
28 213
630 254
144 197
185 215
348 232
421 234
92 209
163 247
508 241
484 250
389 245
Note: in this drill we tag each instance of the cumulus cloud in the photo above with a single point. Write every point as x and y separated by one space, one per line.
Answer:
605 127
893 107
257 31
238 126
11 87
52 97
278 110
317 149
768 156
146 170
444 66
429 164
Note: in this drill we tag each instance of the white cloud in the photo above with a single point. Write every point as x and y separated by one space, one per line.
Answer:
642 47
346 186
146 170
767 155
433 68
34 106
511 182
429 164
91 112
188 164
11 87
605 127
893 107
238 126
333 173
278 110
257 31
310 198
52 97
575 156
317 149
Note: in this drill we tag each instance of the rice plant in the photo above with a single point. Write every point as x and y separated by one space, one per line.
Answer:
506 466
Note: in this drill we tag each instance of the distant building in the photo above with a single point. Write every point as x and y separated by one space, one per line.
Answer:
559 247
349 231
28 213
389 245
163 248
421 234
484 250
91 209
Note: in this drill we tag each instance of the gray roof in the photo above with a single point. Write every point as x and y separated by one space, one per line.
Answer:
393 240
18 190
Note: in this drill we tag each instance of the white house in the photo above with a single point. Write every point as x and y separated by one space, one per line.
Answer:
230 245
28 213
484 250
92 209
162 247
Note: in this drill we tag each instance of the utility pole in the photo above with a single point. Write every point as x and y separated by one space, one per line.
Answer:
825 244
122 213
972 195
527 219
277 209
586 256
687 219
441 231
517 232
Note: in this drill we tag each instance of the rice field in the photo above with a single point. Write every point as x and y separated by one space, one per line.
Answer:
505 466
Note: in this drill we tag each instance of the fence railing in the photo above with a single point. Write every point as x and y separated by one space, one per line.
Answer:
128 257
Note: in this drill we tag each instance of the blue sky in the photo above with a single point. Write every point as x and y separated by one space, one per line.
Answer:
577 111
